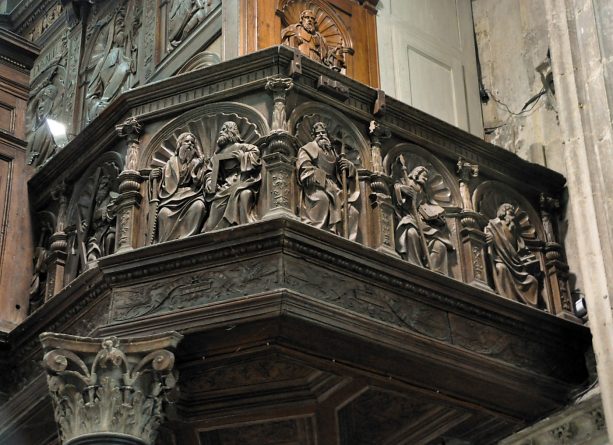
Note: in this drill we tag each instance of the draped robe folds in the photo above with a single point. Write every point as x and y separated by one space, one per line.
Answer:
237 183
408 240
314 45
322 200
511 278
182 209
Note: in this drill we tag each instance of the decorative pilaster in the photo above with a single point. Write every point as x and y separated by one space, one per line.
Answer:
376 132
557 272
109 390
130 197
383 214
279 86
279 187
474 245
58 245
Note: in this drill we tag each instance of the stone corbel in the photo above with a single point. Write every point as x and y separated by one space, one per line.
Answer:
109 390
473 239
130 197
56 261
384 226
557 271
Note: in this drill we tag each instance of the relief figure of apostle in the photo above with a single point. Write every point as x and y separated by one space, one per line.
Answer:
233 180
182 208
305 37
420 233
320 171
513 265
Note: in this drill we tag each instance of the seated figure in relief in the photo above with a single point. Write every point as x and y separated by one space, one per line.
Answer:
305 37
320 176
40 140
514 267
184 17
421 237
182 208
232 181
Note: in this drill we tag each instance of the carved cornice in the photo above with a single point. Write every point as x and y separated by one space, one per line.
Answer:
17 51
248 75
109 387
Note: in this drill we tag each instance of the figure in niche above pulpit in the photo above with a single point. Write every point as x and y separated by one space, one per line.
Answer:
233 180
101 231
421 236
305 37
514 267
181 209
41 143
184 16
112 65
329 186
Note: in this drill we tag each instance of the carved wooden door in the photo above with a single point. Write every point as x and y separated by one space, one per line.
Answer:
427 58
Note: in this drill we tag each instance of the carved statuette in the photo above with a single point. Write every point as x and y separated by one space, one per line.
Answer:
514 267
177 192
421 233
329 185
109 390
233 180
306 38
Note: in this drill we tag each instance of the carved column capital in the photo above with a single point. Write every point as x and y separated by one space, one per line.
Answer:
109 390
377 132
131 130
466 171
279 86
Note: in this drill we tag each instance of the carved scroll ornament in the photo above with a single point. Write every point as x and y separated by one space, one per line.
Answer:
109 388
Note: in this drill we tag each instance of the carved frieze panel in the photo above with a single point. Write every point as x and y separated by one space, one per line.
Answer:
46 19
194 289
110 58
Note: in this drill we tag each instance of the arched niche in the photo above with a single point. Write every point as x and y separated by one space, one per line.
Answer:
329 24
489 195
340 129
204 122
442 185
111 164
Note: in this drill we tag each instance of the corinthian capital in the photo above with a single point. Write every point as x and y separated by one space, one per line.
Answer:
109 390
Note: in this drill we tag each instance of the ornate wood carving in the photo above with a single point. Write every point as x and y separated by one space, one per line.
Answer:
109 388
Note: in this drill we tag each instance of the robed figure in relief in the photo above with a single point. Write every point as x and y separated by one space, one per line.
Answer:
324 203
513 265
181 209
420 233
306 38
233 180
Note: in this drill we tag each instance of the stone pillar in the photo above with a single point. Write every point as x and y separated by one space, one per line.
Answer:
383 211
576 62
130 198
109 390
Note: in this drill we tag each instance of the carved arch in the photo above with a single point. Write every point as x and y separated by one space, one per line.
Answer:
442 185
489 195
340 128
329 24
204 122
